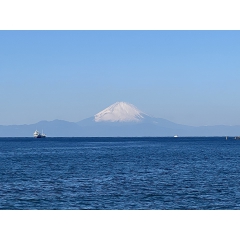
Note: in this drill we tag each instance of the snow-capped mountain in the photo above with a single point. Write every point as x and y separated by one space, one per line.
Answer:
124 119
120 112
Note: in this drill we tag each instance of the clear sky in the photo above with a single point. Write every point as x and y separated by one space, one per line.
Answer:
188 77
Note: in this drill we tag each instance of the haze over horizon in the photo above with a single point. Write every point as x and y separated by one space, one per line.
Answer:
187 77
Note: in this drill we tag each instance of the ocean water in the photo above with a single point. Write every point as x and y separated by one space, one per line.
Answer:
120 173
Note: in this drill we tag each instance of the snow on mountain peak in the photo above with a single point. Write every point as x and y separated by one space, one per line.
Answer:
120 112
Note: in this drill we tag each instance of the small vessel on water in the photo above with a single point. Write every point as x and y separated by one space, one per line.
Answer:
37 134
175 136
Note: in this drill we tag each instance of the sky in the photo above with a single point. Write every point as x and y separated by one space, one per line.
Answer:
188 77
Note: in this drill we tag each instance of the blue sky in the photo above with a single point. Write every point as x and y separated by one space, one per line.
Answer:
189 77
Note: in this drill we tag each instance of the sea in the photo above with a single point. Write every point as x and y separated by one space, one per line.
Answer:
152 173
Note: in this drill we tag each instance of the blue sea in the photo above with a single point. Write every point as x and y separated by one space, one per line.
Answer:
120 173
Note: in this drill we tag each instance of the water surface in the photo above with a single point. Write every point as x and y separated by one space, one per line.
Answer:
119 173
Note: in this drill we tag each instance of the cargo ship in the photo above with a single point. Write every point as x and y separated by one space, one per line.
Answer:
37 134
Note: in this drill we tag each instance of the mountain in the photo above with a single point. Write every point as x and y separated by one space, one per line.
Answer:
125 120
121 119
56 128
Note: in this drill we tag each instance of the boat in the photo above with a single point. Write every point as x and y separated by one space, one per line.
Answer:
37 134
175 136
237 138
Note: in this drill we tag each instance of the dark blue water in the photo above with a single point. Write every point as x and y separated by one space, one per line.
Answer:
119 173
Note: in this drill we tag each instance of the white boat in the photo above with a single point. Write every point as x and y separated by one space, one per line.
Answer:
37 134
175 136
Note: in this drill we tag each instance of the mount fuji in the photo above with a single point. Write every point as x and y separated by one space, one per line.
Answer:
121 119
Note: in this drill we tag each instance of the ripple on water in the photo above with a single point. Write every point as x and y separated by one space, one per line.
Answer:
120 173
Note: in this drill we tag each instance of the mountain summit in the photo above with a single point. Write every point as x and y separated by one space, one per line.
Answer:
120 112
